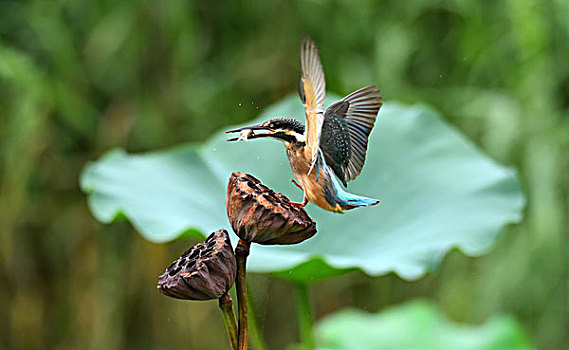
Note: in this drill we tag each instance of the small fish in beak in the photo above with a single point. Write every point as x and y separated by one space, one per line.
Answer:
248 132
245 133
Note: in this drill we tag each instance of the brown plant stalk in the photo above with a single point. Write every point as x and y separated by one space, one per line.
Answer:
241 254
226 306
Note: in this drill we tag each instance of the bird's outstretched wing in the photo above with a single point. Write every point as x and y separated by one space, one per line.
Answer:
345 131
312 90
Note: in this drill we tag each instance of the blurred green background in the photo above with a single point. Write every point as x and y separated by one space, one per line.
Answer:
78 78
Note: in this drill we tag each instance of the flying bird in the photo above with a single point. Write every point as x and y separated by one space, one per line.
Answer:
334 142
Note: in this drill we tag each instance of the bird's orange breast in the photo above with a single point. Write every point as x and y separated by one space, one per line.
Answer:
300 161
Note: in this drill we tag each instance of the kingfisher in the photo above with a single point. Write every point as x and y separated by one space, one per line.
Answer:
334 142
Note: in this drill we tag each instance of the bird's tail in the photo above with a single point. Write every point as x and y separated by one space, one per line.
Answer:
348 200
351 201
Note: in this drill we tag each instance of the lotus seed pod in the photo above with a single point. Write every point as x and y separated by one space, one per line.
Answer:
205 271
258 214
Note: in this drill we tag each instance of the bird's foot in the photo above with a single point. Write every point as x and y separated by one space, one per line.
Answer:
304 202
298 204
297 185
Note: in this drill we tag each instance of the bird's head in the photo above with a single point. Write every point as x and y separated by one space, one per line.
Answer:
288 130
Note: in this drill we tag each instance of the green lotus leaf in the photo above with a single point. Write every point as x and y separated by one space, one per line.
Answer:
416 325
437 192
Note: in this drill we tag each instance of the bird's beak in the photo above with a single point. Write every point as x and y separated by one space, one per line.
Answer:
250 132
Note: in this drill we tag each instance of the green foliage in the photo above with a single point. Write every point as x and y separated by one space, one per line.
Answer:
416 325
78 78
437 192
